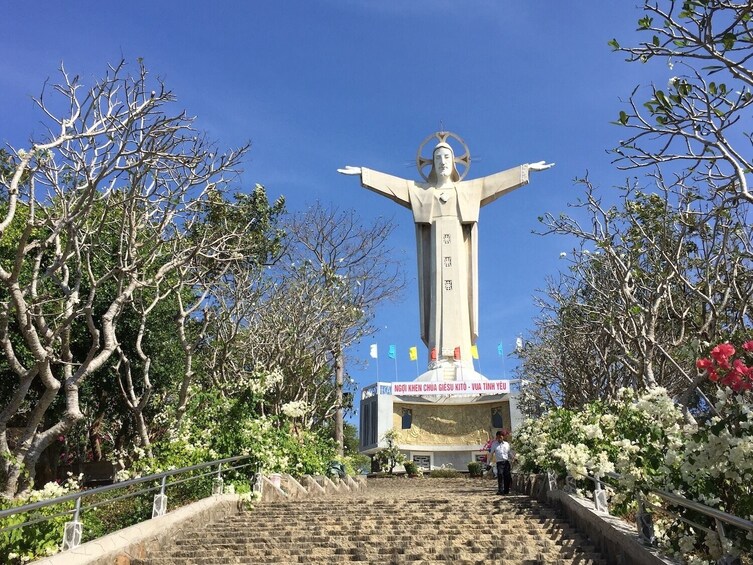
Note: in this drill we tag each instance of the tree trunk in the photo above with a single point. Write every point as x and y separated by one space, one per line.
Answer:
339 435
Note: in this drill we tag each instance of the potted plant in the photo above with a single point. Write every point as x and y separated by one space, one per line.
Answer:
475 469
411 469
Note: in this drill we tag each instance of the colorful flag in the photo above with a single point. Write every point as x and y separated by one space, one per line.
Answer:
500 350
474 351
392 352
374 351
413 353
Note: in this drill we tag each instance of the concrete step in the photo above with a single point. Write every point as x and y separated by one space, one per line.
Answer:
452 521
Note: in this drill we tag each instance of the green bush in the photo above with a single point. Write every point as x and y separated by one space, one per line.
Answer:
410 468
475 469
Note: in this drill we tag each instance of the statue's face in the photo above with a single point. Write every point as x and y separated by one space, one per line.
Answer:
443 160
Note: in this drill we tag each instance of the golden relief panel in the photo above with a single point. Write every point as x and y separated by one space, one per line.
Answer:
443 425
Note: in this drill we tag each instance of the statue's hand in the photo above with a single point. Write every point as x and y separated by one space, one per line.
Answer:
540 166
348 170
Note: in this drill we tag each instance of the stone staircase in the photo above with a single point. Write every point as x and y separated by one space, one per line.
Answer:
395 520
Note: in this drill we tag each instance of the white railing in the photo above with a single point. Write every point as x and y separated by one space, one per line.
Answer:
644 520
73 529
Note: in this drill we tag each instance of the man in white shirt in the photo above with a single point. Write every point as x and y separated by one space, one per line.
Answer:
504 455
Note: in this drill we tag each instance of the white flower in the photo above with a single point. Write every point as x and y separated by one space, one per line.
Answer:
295 409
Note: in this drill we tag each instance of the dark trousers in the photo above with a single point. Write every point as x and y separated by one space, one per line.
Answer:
504 476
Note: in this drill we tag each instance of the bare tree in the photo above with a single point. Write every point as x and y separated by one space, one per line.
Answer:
99 209
650 285
656 279
354 259
701 121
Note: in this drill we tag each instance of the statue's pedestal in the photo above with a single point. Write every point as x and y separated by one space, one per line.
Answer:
440 421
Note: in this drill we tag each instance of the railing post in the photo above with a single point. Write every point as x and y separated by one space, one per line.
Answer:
600 497
159 506
551 477
570 484
725 559
645 522
73 529
258 484
217 482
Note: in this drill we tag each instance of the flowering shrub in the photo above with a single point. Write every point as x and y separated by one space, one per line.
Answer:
275 445
648 441
38 540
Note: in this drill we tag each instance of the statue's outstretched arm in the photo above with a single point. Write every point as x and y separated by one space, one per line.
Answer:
394 188
499 184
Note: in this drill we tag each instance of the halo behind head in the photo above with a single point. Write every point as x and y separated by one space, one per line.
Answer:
443 137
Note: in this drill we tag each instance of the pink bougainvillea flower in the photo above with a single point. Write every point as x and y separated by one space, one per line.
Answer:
748 345
722 352
740 368
713 375
704 364
733 381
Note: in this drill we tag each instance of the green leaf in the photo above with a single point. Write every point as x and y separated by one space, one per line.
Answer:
645 22
712 88
662 99
656 41
729 40
613 44
623 118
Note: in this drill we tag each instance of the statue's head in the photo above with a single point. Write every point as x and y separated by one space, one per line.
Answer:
442 151
443 164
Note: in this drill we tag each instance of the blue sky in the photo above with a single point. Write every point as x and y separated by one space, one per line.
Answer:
320 84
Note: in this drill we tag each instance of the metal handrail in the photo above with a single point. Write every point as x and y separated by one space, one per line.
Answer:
78 496
645 526
687 503
731 519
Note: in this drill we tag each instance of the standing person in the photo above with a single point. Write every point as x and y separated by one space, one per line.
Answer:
504 456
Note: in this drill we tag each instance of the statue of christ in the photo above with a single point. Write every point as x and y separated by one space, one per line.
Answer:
445 211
